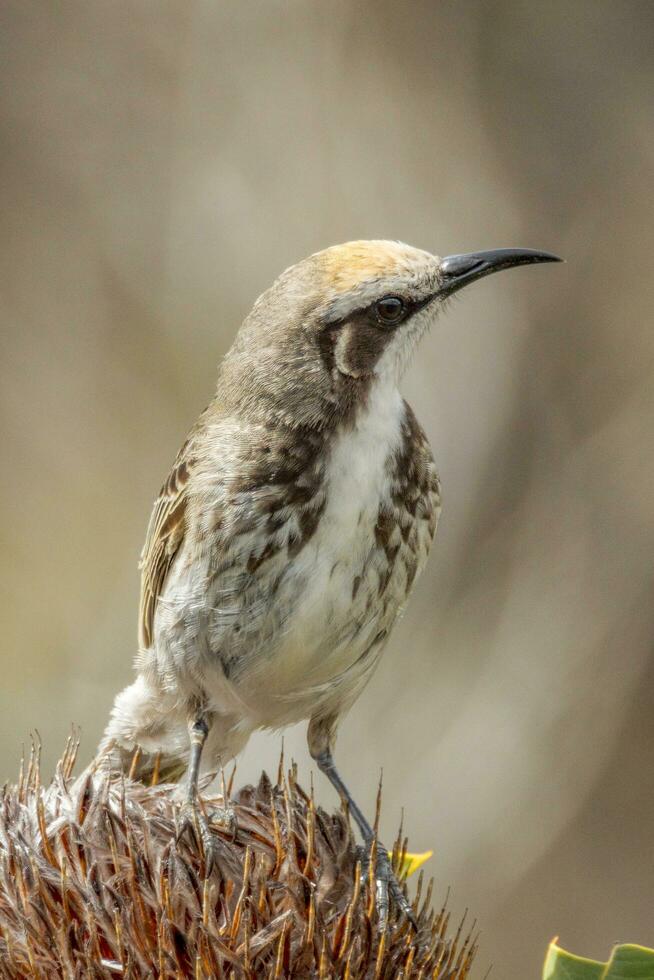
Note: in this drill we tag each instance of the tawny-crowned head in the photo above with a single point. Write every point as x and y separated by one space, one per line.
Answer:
353 313
379 298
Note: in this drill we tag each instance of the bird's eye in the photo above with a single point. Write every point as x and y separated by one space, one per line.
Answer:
390 310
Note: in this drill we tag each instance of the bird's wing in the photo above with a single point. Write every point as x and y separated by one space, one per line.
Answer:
165 535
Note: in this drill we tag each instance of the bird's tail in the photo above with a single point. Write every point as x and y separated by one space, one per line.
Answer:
141 740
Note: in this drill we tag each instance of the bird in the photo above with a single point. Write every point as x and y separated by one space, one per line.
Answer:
294 523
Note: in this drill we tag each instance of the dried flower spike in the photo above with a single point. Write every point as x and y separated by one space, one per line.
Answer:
93 883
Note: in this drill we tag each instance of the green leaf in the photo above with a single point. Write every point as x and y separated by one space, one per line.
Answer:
561 965
627 962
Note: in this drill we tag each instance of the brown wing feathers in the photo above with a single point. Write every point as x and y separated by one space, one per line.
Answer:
164 537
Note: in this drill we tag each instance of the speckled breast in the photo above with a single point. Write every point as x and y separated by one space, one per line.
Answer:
337 599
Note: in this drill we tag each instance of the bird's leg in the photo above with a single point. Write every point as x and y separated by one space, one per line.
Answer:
198 732
193 814
386 880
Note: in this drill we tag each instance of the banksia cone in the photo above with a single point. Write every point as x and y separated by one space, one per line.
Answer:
93 883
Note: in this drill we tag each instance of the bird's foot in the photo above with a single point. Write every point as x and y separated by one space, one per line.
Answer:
386 885
193 820
223 818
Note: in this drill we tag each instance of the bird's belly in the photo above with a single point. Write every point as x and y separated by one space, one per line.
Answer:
329 619
333 624
274 646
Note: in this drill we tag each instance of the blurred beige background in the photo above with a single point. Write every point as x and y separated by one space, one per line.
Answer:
161 163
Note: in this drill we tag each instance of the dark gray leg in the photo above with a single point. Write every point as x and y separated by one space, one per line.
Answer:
386 880
192 815
198 731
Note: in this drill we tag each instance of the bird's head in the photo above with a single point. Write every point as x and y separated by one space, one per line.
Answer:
347 316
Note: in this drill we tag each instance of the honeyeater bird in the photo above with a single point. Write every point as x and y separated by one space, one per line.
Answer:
295 521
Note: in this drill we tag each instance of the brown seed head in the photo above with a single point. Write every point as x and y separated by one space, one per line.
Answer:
93 884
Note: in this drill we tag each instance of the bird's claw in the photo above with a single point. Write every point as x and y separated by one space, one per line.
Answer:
386 885
224 818
194 821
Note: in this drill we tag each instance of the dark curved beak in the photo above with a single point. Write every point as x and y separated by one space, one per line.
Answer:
460 270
